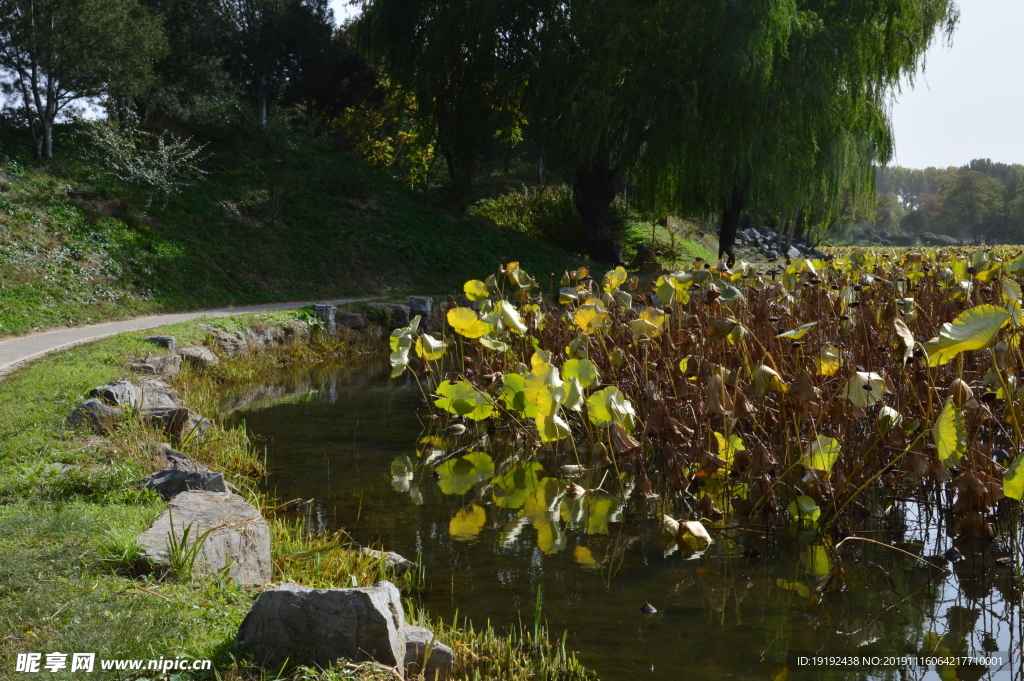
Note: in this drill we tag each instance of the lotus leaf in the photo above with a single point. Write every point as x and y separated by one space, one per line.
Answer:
510 316
821 454
609 406
516 485
950 434
427 347
828 361
615 278
466 322
459 397
1013 479
973 329
582 369
458 476
804 508
591 318
476 290
864 389
799 332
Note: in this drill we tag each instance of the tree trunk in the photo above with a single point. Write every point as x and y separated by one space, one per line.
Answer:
730 223
47 139
593 193
798 217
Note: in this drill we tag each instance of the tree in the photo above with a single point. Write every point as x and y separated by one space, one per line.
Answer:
718 105
57 52
972 205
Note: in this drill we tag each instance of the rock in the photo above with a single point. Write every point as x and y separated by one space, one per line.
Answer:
119 394
168 457
417 641
181 423
264 337
171 482
159 365
399 564
94 415
297 330
230 346
238 535
199 355
57 469
793 253
422 306
396 315
318 627
169 342
158 393
350 320
904 240
327 313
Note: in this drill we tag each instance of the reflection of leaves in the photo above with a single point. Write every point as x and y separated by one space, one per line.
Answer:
459 475
401 473
538 508
600 507
798 587
816 559
467 523
513 488
583 556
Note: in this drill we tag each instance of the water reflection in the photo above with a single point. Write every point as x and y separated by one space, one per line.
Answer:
746 607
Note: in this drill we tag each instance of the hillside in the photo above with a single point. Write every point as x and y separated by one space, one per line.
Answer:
310 223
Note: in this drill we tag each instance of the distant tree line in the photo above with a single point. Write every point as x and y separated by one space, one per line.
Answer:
982 201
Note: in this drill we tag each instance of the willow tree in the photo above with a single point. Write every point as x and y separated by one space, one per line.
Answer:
697 105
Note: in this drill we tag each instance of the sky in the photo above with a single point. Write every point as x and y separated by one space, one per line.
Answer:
968 103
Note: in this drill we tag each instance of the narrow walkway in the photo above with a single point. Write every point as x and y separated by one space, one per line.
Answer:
20 350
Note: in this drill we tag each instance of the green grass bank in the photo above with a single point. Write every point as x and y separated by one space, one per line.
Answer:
67 581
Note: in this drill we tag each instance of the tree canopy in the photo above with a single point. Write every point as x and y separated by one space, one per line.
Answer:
688 106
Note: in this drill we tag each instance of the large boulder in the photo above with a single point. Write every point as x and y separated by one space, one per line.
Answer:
94 415
390 315
159 365
297 330
171 482
169 342
166 456
350 320
238 535
929 239
417 642
318 627
159 393
119 394
181 423
264 337
199 355
230 345
400 564
327 313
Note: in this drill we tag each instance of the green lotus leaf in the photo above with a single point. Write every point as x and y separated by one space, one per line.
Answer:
973 329
459 397
822 453
950 434
582 369
458 476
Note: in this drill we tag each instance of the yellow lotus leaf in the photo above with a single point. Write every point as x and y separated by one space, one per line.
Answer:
821 454
459 397
1013 479
828 360
654 316
476 290
766 380
582 369
864 389
973 329
427 347
609 406
613 279
799 332
727 448
466 322
467 523
510 316
950 434
904 338
665 290
551 428
642 327
591 318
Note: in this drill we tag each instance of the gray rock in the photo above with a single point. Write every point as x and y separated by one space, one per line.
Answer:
297 330
230 345
169 342
94 415
199 355
119 394
238 535
158 393
397 315
417 642
327 313
350 320
929 239
171 482
264 337
422 306
181 423
318 627
793 253
159 365
396 562
168 457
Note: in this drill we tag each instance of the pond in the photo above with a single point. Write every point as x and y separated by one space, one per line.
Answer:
749 607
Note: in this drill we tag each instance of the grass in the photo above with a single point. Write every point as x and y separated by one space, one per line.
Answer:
68 578
309 223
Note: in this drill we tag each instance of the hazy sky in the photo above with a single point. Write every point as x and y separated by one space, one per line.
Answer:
969 102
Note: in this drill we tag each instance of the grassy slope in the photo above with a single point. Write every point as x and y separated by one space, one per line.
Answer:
313 223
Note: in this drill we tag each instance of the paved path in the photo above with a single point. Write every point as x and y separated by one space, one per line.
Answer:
20 350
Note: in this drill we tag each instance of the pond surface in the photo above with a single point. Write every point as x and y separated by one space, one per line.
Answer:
747 608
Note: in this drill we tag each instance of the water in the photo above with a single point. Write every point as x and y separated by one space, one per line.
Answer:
747 608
